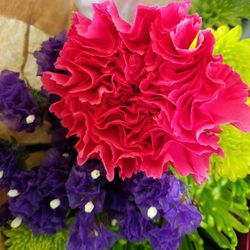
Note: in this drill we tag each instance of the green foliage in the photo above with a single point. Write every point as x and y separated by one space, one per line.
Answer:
221 12
223 205
22 238
192 242
236 52
236 145
125 245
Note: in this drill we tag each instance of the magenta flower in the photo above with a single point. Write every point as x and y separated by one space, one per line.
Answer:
138 97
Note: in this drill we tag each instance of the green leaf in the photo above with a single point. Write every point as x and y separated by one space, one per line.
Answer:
221 12
22 238
125 245
224 209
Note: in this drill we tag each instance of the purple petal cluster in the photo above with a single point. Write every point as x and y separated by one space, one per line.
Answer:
18 107
164 238
86 234
46 58
142 208
47 55
82 187
42 201
8 164
164 200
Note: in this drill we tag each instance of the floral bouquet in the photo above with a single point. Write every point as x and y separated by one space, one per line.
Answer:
144 133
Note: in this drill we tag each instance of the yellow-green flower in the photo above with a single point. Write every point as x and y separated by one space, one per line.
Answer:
236 52
221 12
236 163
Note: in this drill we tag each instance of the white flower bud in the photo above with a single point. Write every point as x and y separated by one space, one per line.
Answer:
114 222
88 208
1 174
30 119
55 203
152 212
95 174
16 222
13 193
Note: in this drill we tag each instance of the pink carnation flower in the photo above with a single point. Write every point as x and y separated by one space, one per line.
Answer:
139 98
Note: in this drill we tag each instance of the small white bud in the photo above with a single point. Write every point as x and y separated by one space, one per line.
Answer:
152 212
66 155
96 233
1 174
88 208
13 193
114 222
30 119
55 203
95 174
16 222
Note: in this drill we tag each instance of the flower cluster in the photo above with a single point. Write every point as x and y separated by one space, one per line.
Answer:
142 96
141 208
18 108
47 55
137 209
38 197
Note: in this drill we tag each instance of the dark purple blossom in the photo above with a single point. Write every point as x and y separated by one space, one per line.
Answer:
18 107
164 238
184 216
53 173
163 201
133 226
85 184
47 55
86 234
42 201
8 164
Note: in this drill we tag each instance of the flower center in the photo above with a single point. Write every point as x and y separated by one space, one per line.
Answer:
55 203
1 174
88 208
13 193
95 174
16 222
152 212
30 119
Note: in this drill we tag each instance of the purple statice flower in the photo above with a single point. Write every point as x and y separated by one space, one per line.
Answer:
40 196
46 58
164 200
87 234
8 164
18 107
47 55
53 174
133 226
85 184
183 216
163 238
